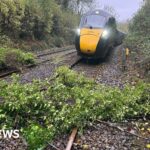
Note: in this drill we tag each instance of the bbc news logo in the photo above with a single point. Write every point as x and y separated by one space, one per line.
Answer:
8 134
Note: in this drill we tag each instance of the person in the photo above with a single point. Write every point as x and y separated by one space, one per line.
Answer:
123 59
127 53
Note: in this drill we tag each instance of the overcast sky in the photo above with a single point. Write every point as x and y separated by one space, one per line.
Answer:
124 8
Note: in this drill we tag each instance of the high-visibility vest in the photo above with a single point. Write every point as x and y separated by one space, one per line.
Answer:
127 51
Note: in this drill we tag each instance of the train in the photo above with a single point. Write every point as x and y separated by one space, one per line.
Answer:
97 34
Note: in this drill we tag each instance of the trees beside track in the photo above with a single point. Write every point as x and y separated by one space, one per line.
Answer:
32 19
139 31
34 25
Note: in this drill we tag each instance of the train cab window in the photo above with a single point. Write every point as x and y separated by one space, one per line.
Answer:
94 21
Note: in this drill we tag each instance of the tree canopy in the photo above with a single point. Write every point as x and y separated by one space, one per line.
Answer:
35 18
139 29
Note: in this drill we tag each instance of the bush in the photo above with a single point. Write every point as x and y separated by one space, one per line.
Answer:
15 58
36 134
47 108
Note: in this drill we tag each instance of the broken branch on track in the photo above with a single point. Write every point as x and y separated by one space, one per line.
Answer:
71 139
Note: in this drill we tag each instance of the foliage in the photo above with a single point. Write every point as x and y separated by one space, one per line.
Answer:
11 13
36 134
139 31
123 26
36 19
14 58
46 108
5 40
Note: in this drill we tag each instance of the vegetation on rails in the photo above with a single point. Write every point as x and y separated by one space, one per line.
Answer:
44 109
15 58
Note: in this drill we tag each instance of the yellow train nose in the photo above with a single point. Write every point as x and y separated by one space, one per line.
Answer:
89 39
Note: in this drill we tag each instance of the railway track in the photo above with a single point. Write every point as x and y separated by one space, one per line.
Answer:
11 71
106 72
5 74
54 51
40 60
103 72
75 63
49 59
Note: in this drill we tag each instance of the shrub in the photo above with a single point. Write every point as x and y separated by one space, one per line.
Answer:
15 58
37 136
43 109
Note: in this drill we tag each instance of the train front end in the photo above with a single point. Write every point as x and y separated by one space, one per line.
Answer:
92 38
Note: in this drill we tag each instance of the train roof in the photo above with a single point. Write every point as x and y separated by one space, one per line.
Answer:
98 12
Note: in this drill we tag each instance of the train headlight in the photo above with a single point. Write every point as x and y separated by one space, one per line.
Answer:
78 31
105 34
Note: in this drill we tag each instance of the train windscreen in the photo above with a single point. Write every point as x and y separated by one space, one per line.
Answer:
94 21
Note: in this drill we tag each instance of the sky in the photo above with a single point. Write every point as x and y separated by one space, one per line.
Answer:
125 9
